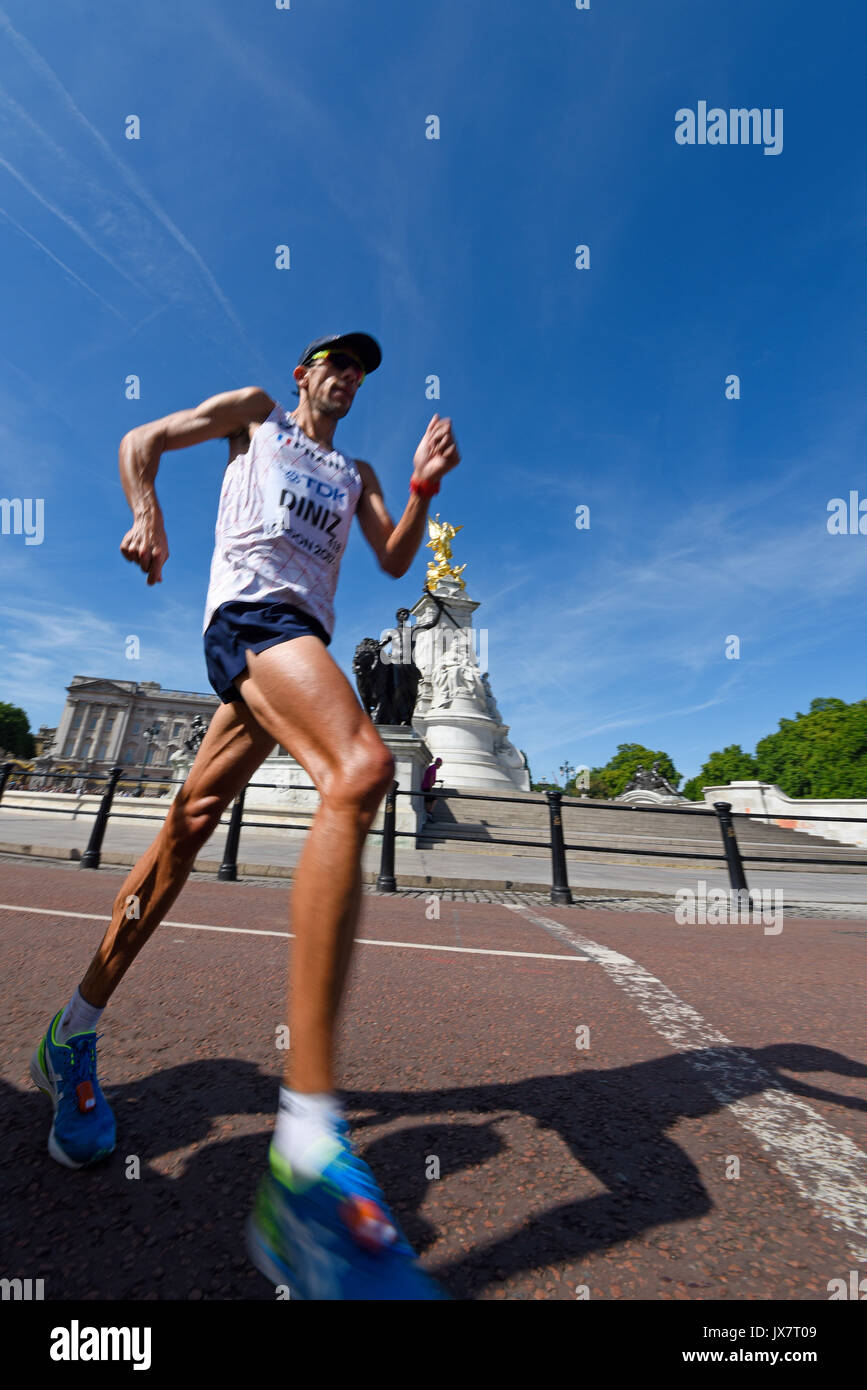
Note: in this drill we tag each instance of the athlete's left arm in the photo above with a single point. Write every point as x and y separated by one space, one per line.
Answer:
395 547
374 517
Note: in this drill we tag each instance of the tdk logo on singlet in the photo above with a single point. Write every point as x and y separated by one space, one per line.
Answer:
316 485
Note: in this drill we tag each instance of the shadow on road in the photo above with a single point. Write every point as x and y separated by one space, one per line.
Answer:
99 1234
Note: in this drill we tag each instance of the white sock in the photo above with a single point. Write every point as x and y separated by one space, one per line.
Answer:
304 1121
78 1017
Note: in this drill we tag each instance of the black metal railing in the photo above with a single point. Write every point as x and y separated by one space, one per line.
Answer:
560 892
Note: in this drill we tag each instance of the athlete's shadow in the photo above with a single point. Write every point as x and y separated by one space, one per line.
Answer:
615 1124
100 1233
124 1229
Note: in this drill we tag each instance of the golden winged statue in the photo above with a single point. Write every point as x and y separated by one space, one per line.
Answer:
442 533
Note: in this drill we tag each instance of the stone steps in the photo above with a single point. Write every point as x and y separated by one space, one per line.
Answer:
634 831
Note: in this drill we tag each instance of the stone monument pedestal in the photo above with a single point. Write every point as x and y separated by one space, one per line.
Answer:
465 742
411 756
181 763
456 713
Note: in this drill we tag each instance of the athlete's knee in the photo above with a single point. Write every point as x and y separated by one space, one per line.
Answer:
364 776
378 767
384 772
371 773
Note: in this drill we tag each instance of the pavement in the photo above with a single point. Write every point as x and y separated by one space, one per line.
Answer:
274 853
559 1102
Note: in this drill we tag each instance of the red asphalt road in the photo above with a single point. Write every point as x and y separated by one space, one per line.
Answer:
558 1168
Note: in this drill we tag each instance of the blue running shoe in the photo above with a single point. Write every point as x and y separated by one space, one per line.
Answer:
83 1130
334 1238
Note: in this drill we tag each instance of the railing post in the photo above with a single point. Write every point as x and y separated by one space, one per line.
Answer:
737 877
4 777
228 870
386 882
90 858
560 890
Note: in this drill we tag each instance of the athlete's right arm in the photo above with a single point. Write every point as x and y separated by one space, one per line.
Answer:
219 417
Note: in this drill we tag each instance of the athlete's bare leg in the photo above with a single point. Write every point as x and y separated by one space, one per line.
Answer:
231 751
300 696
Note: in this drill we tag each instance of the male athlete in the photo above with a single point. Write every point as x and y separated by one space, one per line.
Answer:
320 1224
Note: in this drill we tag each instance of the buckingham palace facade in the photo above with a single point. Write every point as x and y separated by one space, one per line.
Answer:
132 724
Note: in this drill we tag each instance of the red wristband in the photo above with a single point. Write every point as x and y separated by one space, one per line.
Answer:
423 489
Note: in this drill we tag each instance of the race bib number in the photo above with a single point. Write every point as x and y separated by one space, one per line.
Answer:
309 510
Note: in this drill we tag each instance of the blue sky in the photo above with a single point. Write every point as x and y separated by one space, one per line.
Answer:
602 386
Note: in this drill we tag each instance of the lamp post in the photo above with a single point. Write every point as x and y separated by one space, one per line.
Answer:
84 759
41 763
148 735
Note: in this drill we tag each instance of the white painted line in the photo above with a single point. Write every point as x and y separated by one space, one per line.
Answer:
826 1167
289 936
53 912
467 950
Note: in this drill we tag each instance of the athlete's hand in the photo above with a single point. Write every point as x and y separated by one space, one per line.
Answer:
145 544
437 453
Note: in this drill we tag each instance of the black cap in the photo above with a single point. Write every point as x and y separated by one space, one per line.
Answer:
362 344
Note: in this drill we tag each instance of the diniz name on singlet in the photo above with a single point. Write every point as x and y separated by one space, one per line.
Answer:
315 512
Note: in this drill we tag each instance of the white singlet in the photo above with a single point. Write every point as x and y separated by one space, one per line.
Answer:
286 507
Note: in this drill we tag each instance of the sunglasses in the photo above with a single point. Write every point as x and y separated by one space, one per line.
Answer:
341 360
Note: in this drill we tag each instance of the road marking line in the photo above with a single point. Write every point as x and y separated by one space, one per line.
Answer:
826 1167
254 931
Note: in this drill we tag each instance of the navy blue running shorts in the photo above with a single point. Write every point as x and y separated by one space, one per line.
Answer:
237 626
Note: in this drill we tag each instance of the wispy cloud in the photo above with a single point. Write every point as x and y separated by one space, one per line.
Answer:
46 641
374 222
70 222
657 621
63 266
48 77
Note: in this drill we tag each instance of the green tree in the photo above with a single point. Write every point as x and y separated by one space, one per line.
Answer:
15 735
821 753
612 778
732 764
598 790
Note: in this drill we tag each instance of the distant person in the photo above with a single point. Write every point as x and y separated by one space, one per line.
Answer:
427 782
